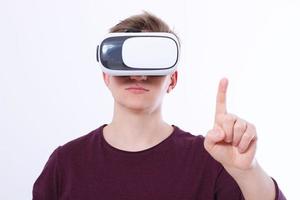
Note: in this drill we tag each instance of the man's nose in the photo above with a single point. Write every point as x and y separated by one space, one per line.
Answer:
138 78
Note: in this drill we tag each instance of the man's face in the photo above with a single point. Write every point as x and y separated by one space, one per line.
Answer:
141 93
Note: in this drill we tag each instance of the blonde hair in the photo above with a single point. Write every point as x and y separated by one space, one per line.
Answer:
144 22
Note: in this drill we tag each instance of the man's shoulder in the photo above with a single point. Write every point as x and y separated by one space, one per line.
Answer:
187 137
193 145
188 140
81 144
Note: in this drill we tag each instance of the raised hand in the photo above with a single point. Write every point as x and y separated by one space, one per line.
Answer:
232 141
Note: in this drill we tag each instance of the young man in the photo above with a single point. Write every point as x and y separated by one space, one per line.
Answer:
139 156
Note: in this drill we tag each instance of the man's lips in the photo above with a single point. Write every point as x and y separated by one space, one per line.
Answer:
137 88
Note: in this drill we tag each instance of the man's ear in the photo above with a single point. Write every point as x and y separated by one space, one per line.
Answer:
173 81
105 78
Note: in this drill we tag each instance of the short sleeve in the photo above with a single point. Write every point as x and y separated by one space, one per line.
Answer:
46 187
226 187
279 194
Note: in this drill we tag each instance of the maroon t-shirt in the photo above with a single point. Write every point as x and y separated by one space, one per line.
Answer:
178 168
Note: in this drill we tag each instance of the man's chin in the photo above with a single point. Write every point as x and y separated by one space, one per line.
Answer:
135 108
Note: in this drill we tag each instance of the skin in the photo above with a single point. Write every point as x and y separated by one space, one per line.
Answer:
138 124
232 141
137 121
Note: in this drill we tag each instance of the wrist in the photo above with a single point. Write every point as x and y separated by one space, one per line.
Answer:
254 182
242 173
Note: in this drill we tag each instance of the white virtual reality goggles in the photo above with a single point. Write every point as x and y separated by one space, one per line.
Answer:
138 53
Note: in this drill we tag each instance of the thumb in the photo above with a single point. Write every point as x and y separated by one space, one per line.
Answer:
212 137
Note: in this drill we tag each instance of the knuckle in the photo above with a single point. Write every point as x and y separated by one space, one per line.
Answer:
228 129
239 127
231 117
248 136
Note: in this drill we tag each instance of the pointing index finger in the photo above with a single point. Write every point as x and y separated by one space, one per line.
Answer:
221 97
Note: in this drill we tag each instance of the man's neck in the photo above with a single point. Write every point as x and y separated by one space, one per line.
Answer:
134 130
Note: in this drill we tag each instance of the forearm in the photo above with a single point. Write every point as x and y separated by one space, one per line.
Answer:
254 183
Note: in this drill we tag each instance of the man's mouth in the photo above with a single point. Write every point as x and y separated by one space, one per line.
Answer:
137 89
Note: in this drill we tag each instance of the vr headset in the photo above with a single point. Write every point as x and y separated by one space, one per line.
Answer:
138 53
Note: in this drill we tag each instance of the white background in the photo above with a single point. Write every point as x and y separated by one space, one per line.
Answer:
51 88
